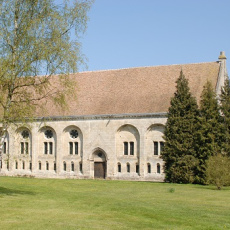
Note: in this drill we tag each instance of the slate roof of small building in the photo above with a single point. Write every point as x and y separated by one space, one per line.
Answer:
133 90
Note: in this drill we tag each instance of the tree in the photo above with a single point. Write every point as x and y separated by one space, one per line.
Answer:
210 134
37 37
179 133
218 170
225 109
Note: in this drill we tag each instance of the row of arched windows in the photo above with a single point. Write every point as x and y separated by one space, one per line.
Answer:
47 166
149 169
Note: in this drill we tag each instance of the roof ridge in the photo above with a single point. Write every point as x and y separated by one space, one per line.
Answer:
142 67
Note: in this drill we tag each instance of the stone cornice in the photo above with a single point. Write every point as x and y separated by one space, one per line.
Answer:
103 117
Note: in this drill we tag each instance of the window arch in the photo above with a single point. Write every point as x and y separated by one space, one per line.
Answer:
154 141
47 165
137 168
149 168
64 166
158 168
80 167
127 141
128 167
119 167
23 141
48 141
72 141
72 166
40 165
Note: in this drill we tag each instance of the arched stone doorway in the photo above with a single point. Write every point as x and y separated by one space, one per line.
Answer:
100 165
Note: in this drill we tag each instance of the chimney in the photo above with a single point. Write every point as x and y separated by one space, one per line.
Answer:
222 55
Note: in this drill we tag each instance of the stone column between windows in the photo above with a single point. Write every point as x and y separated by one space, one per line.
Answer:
58 152
142 155
34 149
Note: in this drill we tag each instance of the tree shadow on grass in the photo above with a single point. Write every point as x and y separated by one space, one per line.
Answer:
212 187
12 192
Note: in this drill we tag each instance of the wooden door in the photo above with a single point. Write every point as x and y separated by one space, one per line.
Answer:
99 169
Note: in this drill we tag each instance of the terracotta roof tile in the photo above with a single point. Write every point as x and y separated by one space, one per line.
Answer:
134 90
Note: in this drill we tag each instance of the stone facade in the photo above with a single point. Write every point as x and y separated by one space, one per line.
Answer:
123 146
50 149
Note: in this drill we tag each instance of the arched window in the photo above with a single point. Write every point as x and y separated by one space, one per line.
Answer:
128 167
24 144
72 166
23 165
64 166
30 165
4 147
158 168
119 167
47 165
16 165
80 167
48 141
149 167
137 168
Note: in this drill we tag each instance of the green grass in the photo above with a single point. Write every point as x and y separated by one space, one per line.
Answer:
27 203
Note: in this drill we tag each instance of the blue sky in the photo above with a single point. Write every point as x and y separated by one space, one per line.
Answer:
134 33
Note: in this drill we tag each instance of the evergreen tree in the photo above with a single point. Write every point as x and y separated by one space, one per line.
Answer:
225 109
210 133
179 138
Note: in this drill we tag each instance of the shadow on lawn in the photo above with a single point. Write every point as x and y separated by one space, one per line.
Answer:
12 192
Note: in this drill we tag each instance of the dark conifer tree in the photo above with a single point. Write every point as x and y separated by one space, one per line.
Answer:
225 109
179 133
210 134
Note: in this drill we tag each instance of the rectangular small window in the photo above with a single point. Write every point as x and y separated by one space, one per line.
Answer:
155 148
80 167
23 165
30 166
131 148
40 165
76 148
51 148
71 148
125 148
4 147
161 146
47 166
22 147
54 166
45 148
64 166
26 147
16 165
72 167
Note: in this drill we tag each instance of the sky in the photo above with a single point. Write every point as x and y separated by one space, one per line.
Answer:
137 33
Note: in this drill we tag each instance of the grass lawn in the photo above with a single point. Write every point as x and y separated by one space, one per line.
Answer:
28 203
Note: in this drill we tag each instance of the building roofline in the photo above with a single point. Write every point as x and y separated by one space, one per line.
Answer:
103 116
142 67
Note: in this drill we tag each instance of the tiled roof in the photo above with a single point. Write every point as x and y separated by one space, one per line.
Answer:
133 90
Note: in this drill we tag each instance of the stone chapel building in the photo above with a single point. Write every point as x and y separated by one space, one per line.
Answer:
115 128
